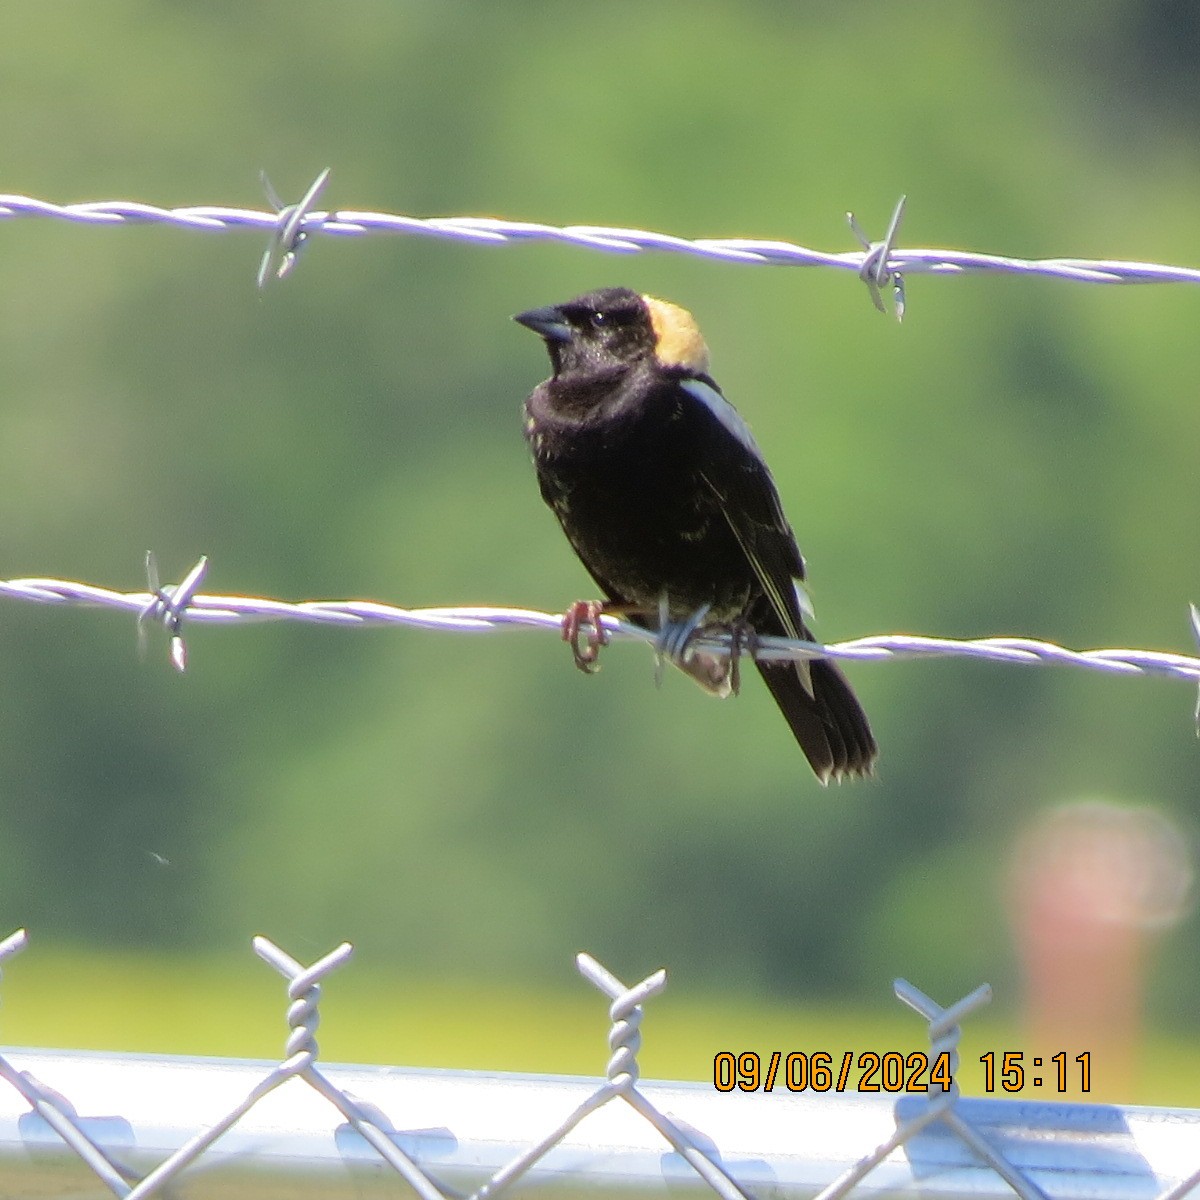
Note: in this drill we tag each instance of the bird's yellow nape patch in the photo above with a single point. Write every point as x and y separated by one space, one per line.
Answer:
677 339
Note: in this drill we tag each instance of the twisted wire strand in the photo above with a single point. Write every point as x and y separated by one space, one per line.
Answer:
616 240
204 609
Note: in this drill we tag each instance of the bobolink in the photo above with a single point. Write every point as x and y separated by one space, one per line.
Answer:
664 495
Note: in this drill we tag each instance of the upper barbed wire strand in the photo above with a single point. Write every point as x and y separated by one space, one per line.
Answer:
355 223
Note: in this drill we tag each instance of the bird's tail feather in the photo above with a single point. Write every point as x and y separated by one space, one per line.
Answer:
815 698
828 723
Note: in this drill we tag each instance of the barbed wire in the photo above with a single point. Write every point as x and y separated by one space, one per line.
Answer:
878 263
173 605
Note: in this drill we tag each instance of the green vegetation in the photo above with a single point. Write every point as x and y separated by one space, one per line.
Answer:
205 1006
1018 458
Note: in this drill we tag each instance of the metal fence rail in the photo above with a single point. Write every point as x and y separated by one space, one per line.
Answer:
146 1125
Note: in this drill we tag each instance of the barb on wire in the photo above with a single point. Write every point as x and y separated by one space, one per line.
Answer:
171 605
875 271
167 605
296 222
674 638
877 263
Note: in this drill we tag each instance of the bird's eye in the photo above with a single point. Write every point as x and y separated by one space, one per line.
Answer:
598 320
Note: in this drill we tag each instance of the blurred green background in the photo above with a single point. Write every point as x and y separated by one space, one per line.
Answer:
1020 457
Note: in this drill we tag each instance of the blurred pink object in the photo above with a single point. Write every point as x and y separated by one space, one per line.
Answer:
1093 882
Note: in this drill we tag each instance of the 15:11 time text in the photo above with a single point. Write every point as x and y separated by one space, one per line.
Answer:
1010 1071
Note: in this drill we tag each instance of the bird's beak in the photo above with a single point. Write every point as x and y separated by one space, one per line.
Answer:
547 322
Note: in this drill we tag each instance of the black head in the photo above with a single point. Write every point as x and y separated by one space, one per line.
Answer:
616 327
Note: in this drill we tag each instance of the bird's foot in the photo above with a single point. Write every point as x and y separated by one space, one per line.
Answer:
742 639
581 613
714 671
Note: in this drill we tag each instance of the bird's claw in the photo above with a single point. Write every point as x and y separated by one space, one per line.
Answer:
741 638
675 639
585 612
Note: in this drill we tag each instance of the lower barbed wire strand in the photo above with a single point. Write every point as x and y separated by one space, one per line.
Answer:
205 609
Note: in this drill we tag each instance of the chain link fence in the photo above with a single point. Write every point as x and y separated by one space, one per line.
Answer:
143 1125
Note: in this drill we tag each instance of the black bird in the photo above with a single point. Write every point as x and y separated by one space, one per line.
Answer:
663 493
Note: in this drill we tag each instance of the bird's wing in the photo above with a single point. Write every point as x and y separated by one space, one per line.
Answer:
736 475
814 697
